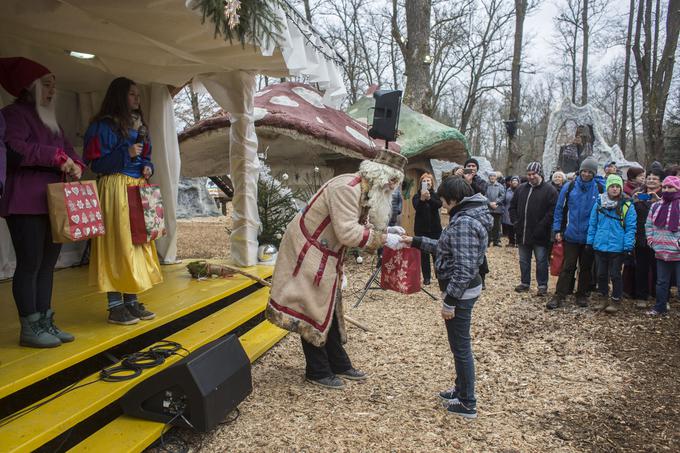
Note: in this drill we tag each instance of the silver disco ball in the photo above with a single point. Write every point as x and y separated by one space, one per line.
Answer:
267 252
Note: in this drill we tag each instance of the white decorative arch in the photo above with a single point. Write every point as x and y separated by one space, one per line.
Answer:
581 115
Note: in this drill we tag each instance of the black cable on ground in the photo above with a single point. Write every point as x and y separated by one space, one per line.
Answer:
130 368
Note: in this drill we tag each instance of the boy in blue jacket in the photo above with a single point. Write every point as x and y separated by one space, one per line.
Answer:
611 233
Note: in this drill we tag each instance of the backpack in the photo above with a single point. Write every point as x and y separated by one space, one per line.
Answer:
624 212
565 208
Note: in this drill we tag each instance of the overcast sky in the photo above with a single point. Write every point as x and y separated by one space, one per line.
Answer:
540 27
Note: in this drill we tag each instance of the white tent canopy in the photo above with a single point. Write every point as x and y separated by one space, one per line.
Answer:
159 43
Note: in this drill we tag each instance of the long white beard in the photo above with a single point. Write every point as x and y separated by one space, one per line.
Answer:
380 206
46 114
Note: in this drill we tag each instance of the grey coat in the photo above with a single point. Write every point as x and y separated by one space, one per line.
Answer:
496 192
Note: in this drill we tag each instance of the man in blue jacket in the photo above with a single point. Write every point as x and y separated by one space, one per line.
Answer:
570 224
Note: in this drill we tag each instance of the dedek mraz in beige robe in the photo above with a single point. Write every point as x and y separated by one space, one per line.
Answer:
308 272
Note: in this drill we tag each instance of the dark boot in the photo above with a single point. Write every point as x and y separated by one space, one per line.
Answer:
614 306
47 319
556 302
137 310
120 315
599 302
34 335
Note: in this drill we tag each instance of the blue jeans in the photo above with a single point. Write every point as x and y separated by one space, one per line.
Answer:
458 330
541 254
664 272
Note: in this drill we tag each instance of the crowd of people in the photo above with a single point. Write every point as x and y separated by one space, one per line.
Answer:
38 153
606 228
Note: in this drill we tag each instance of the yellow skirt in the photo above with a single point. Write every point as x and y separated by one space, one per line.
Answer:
116 264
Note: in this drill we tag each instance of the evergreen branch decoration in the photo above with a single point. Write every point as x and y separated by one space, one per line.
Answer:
256 19
275 205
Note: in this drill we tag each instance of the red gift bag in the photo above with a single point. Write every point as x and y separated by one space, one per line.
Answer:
401 270
557 259
146 213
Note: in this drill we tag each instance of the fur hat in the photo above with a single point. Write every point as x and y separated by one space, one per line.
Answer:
391 159
18 73
589 164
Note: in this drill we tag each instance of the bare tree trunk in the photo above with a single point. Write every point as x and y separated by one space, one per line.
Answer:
626 80
584 61
633 131
514 153
573 67
195 109
308 11
417 92
393 58
655 81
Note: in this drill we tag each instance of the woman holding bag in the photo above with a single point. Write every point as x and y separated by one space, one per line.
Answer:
117 148
38 154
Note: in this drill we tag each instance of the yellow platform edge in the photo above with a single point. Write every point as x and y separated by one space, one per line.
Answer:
126 434
42 425
15 378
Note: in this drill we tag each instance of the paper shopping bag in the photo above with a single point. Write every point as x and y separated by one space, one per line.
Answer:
74 211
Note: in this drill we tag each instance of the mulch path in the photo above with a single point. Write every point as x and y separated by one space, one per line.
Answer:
563 380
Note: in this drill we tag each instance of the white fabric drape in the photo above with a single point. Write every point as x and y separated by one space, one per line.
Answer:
234 91
166 159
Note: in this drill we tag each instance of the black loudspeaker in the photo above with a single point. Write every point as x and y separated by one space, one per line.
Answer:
198 391
386 115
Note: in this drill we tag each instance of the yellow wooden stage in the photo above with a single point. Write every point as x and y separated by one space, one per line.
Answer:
82 312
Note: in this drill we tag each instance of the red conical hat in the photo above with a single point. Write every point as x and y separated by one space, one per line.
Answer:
18 73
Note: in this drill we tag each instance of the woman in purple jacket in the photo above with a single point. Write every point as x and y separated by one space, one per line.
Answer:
38 154
3 154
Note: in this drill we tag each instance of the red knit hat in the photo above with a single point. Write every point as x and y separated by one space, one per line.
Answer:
18 73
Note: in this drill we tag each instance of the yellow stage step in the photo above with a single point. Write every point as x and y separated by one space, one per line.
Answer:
128 434
45 423
81 311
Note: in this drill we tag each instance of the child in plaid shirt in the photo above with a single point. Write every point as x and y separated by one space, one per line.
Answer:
460 251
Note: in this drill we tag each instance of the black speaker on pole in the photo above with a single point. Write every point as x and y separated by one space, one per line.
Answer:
198 391
386 115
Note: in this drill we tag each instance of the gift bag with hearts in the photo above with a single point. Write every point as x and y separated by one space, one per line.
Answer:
75 214
147 221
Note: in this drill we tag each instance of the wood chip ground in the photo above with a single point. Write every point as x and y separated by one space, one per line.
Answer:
558 381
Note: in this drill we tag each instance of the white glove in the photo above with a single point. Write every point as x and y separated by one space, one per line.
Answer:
393 241
396 230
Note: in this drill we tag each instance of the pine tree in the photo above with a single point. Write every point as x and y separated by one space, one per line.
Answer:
276 207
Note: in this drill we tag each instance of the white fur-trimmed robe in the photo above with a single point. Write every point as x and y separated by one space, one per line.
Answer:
308 269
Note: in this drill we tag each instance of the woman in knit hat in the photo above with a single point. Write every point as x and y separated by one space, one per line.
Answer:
611 234
663 236
557 180
39 154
